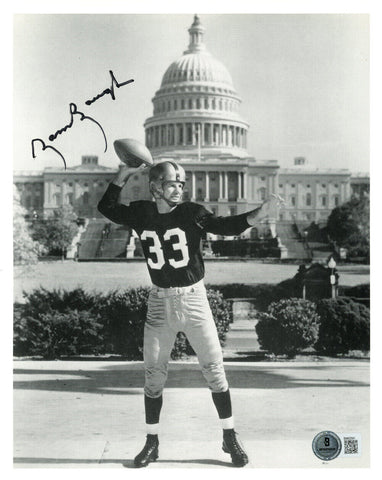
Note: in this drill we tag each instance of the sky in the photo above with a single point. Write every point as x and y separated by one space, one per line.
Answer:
303 80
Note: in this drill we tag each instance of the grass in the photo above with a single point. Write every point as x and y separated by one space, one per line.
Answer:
104 276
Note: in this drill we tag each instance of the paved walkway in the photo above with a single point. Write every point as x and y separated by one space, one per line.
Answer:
90 414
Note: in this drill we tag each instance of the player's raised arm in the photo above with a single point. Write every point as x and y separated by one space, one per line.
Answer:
109 205
135 156
236 224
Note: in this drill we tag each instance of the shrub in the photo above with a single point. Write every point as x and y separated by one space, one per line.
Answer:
41 300
263 293
361 291
56 334
288 327
344 326
123 316
39 323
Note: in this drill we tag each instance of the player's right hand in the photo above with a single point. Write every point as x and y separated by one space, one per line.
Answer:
125 173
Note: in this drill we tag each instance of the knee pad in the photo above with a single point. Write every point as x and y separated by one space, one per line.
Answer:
155 379
215 376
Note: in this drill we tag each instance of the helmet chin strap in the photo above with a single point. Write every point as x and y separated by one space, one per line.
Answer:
158 194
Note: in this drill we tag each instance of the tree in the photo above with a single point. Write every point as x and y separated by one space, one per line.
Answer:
349 226
57 231
25 249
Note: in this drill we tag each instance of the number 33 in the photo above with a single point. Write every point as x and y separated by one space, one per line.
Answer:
157 250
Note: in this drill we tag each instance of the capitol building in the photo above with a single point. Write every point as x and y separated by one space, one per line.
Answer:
196 121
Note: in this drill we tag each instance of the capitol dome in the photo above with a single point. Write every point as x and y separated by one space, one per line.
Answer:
196 106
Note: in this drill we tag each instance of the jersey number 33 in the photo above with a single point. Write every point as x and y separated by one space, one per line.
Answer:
177 239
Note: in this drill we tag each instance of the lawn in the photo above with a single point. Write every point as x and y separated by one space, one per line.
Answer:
104 276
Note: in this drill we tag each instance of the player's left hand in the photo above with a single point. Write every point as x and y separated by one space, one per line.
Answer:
268 210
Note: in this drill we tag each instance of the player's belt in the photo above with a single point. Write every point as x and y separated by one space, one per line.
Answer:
170 291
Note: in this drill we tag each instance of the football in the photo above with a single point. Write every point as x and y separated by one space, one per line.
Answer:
132 153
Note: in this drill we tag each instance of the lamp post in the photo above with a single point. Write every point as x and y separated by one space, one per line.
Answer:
332 265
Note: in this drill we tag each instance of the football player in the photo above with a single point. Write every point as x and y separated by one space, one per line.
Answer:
170 233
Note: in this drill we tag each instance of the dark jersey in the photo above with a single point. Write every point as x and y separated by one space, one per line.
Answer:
171 242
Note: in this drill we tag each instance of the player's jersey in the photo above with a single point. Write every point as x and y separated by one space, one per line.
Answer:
171 242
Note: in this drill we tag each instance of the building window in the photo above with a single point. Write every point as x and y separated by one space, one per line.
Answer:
175 104
281 185
57 199
293 185
336 201
206 103
190 104
85 198
308 186
323 201
308 199
262 179
232 211
323 185
262 193
183 104
293 200
198 103
69 198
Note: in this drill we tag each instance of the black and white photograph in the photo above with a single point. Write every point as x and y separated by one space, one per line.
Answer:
191 239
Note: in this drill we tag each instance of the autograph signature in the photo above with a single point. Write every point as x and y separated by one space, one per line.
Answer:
109 91
73 112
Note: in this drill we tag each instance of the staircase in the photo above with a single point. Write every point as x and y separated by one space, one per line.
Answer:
114 243
91 238
103 240
291 239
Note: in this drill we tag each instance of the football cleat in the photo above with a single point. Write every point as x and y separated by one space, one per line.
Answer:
149 452
233 446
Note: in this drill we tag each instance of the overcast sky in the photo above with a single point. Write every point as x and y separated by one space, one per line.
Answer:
303 80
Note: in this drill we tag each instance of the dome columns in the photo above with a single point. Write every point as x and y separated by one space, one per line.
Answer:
217 186
194 134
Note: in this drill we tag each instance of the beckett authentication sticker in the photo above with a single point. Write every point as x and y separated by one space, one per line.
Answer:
326 445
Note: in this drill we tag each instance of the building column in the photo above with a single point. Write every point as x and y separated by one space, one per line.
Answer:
193 196
274 184
184 133
245 189
46 194
226 185
239 185
220 134
207 196
194 134
220 185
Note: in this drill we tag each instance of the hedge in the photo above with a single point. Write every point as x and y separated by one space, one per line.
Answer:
59 322
288 326
266 293
344 326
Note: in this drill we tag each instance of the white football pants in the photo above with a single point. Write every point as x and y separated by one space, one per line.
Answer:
181 309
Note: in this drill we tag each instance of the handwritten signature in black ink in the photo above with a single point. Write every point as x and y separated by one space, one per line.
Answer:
74 111
109 91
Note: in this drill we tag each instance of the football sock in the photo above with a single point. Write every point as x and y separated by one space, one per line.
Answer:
152 428
153 407
222 401
227 424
